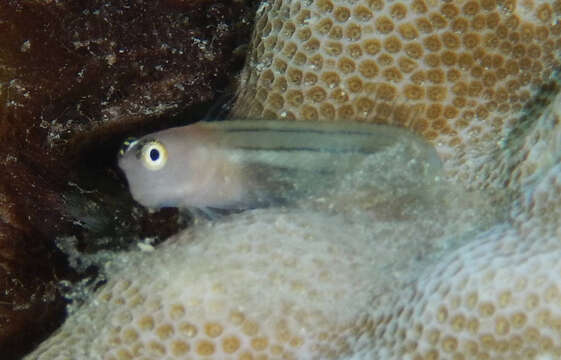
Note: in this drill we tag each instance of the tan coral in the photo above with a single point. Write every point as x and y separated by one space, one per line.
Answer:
459 73
239 297
496 298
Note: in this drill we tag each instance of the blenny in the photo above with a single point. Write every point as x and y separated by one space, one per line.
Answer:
241 164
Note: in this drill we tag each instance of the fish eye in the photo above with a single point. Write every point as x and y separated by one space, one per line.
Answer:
154 155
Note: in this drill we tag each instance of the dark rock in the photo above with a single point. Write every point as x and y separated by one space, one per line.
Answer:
76 78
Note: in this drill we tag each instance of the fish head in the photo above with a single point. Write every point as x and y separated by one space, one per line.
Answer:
164 168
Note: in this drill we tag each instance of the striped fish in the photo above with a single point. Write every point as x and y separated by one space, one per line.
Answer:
242 164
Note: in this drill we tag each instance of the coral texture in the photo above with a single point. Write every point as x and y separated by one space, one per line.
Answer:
459 73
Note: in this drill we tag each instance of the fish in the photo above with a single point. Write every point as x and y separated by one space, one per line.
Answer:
245 164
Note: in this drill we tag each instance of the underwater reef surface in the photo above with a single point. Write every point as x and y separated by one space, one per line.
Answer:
75 78
478 79
445 280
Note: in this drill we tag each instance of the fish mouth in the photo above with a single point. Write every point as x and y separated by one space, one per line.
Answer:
127 145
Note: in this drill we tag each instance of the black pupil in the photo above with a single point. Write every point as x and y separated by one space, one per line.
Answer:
154 154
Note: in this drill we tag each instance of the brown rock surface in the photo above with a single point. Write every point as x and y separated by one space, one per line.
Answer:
75 76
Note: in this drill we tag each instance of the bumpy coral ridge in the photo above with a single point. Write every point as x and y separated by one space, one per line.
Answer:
179 304
459 73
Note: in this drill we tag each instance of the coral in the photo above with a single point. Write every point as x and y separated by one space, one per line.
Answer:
244 296
253 306
497 297
460 74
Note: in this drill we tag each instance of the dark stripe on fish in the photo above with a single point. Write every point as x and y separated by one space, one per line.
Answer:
308 149
301 131
328 138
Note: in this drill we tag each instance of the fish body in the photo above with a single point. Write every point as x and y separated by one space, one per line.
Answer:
241 164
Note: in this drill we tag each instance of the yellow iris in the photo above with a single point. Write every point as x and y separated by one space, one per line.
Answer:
154 155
